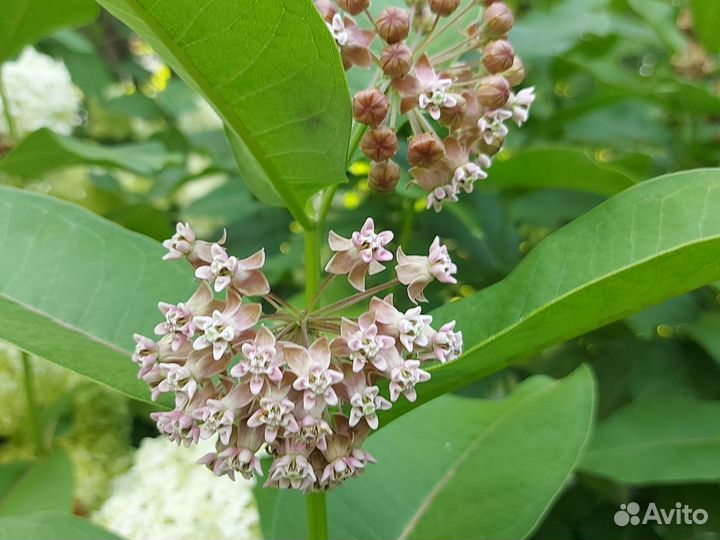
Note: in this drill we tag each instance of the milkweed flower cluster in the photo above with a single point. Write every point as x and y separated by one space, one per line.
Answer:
39 94
458 99
305 384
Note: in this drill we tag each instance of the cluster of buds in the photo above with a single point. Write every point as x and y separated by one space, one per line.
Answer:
305 384
457 101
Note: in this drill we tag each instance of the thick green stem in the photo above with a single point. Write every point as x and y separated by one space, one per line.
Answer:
32 407
317 516
316 507
312 262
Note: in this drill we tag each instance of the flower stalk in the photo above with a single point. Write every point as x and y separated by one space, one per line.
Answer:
32 406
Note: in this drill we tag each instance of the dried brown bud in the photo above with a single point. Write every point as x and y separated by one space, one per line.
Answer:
396 60
498 56
516 74
443 7
453 117
379 143
393 24
493 91
354 7
384 176
425 150
498 19
370 107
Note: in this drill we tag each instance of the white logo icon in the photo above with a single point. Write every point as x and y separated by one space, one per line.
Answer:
629 514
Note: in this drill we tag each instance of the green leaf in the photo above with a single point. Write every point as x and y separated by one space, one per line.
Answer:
705 331
661 17
52 526
272 72
552 31
658 439
44 151
706 21
558 167
76 287
25 21
651 242
460 468
46 484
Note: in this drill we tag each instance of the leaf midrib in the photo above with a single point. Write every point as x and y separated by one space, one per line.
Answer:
294 206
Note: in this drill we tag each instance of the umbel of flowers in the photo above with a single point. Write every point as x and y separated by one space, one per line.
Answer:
457 99
304 383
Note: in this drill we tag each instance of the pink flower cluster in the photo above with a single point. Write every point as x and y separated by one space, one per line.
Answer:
457 100
306 384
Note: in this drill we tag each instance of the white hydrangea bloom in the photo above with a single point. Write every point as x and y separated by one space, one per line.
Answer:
166 495
40 93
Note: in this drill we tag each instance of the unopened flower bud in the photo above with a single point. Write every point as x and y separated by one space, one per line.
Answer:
492 148
393 24
498 56
425 150
354 7
370 107
379 143
384 176
493 91
498 19
396 60
453 117
516 74
443 7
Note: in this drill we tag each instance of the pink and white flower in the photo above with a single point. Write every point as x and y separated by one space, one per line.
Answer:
315 378
261 360
362 253
418 271
221 329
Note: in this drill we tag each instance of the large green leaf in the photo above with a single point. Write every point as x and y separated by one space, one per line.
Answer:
46 484
559 167
651 242
74 287
460 468
25 21
51 526
44 151
272 72
658 439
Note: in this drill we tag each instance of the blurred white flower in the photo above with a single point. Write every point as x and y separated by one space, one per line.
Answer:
40 93
165 495
202 118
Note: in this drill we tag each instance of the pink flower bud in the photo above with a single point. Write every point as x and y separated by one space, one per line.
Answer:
393 24
384 176
443 7
498 19
516 74
425 150
354 7
493 91
370 107
379 143
498 56
396 60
